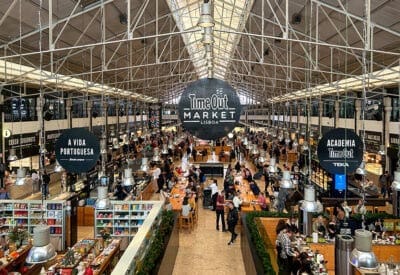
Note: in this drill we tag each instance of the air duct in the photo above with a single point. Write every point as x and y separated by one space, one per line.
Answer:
362 256
42 250
102 202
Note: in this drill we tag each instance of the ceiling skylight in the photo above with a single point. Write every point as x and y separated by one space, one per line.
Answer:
229 15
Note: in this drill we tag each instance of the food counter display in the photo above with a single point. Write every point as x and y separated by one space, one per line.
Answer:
87 254
386 250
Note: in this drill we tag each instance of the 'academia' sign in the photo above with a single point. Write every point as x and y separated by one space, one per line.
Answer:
340 151
77 150
209 108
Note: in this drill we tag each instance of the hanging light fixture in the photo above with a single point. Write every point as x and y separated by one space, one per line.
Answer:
206 20
262 158
58 168
208 37
286 181
309 204
12 156
382 150
156 156
128 178
254 150
144 167
21 174
272 166
42 250
115 143
361 169
103 146
102 202
362 256
164 150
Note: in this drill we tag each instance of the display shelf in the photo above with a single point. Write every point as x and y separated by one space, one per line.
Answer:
142 234
29 214
122 219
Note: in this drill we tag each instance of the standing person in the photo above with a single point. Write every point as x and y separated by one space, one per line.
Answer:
236 200
2 173
232 220
266 177
156 172
285 257
45 184
214 194
383 179
220 210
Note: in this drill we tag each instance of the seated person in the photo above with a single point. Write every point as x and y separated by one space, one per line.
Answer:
319 226
262 201
186 207
254 188
332 228
292 223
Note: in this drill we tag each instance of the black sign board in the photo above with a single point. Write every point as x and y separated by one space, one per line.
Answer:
373 141
209 108
24 140
77 150
340 151
394 140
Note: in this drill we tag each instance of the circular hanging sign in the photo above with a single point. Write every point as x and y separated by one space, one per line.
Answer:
340 151
209 108
77 150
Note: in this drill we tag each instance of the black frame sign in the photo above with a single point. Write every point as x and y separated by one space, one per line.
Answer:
340 151
77 150
209 108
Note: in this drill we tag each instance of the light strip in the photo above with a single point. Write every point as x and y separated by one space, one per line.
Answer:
10 71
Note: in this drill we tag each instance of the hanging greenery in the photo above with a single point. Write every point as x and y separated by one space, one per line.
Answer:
158 246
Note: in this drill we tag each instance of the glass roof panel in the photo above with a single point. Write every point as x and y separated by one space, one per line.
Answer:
228 15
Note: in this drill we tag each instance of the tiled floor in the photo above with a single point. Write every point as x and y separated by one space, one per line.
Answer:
206 251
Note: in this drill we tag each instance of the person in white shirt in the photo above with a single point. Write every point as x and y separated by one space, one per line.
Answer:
236 200
186 207
156 172
214 193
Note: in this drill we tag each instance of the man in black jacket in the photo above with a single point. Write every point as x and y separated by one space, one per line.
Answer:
232 220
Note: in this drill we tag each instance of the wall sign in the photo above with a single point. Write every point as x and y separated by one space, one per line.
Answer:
77 150
394 140
340 151
373 141
209 108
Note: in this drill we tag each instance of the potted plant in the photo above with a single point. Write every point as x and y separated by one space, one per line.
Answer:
105 236
17 235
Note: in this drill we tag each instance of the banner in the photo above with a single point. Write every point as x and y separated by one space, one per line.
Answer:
209 108
77 150
340 151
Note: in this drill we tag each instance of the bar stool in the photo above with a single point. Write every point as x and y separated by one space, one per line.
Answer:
186 222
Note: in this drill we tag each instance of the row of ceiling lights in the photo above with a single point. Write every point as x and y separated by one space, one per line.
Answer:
206 21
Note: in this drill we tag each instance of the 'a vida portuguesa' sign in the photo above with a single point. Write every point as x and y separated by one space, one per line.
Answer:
77 150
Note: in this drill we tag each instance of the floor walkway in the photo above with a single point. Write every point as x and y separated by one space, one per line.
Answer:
206 251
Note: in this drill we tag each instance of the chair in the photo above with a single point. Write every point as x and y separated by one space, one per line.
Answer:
195 213
186 221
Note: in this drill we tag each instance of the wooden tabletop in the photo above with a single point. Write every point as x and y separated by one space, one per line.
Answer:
176 197
249 200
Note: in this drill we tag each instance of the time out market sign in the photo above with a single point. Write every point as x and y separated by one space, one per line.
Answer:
209 108
77 150
340 151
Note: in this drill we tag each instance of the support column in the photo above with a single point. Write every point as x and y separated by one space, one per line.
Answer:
142 108
117 134
127 130
89 107
337 113
321 110
357 105
387 103
298 117
2 145
135 108
105 117
69 113
290 116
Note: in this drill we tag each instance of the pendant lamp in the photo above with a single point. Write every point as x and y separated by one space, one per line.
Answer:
42 250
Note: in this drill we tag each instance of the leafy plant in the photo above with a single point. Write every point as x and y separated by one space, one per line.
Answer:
18 235
257 239
158 245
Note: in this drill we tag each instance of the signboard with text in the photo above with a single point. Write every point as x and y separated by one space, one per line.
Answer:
340 151
77 150
209 108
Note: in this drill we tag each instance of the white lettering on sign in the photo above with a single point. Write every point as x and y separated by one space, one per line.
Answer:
21 141
336 154
340 164
215 102
77 142
341 143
